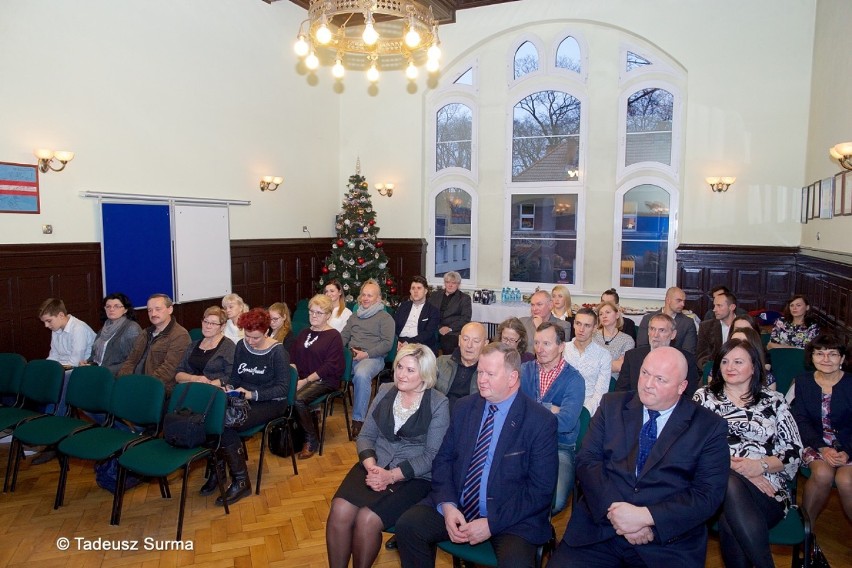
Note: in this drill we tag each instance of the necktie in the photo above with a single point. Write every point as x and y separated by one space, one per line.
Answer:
647 437
473 479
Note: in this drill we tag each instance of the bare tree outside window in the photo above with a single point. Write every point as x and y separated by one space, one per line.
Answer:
546 137
455 133
526 59
649 127
634 61
568 55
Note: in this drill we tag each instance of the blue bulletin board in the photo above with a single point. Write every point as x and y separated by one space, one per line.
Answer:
137 250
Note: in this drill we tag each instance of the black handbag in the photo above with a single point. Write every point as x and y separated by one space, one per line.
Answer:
236 413
184 428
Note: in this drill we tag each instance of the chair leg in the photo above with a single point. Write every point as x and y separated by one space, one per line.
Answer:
263 436
182 500
12 448
165 490
118 497
346 419
16 449
325 415
63 478
289 427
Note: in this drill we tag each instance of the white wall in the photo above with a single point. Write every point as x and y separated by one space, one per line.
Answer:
191 98
830 117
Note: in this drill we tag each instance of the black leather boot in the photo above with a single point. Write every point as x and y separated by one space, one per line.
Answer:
240 485
217 472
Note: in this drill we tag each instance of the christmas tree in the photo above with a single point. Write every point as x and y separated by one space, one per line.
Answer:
357 255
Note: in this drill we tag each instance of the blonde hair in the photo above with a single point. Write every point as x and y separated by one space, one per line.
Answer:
287 326
323 302
235 298
619 322
425 363
218 312
562 289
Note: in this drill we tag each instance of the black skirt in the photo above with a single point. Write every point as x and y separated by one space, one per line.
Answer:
389 504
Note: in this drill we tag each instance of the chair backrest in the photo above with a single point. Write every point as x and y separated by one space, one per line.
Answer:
90 389
389 358
787 364
197 397
195 334
347 369
585 418
11 372
42 381
291 392
705 372
138 399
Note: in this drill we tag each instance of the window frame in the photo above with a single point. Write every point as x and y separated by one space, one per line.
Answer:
432 250
672 241
672 170
583 75
543 59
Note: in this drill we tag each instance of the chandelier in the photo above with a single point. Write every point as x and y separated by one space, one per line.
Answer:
370 34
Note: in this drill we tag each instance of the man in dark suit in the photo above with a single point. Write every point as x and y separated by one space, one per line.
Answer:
675 302
416 319
456 311
652 470
496 486
712 334
661 332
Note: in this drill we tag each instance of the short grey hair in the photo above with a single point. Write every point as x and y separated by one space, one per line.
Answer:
453 276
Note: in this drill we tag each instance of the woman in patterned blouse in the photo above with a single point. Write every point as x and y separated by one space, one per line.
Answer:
765 453
796 327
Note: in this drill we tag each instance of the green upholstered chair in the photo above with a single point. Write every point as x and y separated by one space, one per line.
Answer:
327 401
157 458
787 364
137 405
89 390
11 372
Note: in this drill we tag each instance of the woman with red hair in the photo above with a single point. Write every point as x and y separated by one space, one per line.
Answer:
261 375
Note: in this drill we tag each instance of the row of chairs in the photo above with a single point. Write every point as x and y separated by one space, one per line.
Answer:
135 400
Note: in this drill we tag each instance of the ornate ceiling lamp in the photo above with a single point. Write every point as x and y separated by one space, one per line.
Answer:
369 34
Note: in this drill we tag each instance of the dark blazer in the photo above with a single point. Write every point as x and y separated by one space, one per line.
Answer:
709 341
427 325
629 327
628 377
683 482
686 338
807 410
459 309
522 478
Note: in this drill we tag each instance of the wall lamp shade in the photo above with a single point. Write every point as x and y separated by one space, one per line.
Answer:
48 159
385 189
270 183
719 184
843 154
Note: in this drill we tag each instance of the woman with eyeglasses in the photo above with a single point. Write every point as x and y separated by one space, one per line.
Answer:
823 411
209 359
115 340
765 453
317 354
281 325
512 332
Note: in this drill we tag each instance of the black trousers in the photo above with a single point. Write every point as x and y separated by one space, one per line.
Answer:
304 397
421 528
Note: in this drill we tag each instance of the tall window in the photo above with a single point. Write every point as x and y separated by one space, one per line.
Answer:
649 127
646 233
568 55
543 244
452 230
546 137
526 59
454 137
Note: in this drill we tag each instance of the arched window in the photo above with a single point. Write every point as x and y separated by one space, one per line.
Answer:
646 236
453 209
454 131
543 247
546 137
526 59
649 127
568 55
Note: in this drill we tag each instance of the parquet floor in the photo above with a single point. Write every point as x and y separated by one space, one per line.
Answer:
283 526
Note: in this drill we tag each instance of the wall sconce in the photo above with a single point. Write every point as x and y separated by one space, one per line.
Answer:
843 154
719 184
385 189
46 159
269 183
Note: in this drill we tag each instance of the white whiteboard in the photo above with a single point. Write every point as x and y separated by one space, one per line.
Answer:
202 244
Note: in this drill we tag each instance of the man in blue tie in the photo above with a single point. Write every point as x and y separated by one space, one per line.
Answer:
493 477
652 470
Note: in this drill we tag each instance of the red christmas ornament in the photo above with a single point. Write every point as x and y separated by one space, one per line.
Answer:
360 260
340 242
393 289
380 244
325 270
388 282
372 222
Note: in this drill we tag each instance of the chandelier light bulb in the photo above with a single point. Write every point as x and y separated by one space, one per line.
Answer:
337 70
323 34
412 38
312 61
373 73
370 35
432 65
301 47
434 52
411 71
